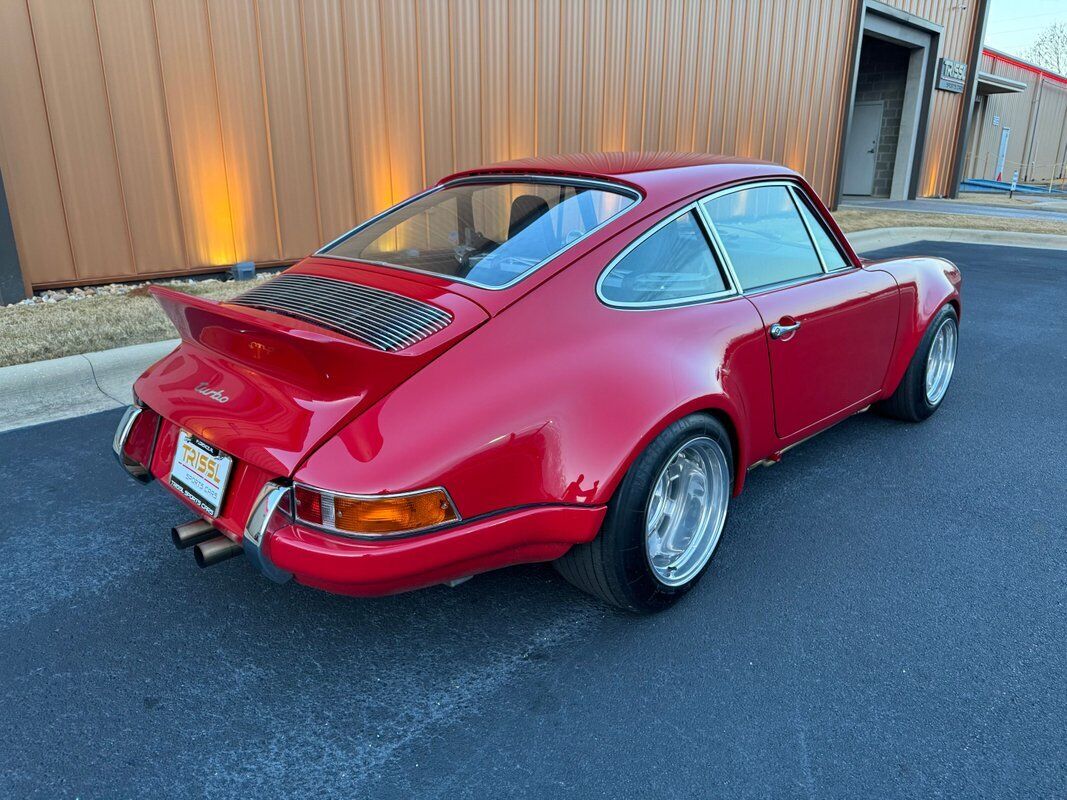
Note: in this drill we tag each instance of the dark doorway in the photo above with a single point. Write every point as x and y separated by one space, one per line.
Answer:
872 145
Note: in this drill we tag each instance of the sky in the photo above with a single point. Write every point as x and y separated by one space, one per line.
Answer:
1014 24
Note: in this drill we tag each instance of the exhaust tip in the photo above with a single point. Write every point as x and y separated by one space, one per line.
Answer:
192 533
214 551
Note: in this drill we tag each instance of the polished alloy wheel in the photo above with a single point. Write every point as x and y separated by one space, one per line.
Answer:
941 361
687 510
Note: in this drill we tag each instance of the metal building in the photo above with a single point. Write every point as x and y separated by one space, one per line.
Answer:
1018 123
144 138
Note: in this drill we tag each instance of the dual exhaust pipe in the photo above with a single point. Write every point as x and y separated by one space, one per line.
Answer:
209 546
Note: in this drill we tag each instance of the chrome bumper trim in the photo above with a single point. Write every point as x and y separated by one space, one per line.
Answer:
255 535
118 446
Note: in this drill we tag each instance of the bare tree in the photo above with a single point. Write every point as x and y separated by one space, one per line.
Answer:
1049 49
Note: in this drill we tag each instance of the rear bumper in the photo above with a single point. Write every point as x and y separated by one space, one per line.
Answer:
144 445
368 568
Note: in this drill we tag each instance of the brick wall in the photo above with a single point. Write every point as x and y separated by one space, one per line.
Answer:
882 76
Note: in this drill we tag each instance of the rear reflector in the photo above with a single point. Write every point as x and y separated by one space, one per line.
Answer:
374 515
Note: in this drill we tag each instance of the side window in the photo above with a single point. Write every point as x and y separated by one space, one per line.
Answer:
829 251
675 263
763 235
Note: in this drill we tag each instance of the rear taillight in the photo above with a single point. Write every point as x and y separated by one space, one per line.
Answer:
374 515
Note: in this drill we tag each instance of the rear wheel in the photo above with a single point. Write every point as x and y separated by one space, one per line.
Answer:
926 381
664 522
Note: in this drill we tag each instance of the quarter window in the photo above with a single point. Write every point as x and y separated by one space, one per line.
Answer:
673 264
763 236
829 251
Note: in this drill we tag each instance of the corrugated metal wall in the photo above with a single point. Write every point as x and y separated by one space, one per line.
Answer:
144 138
947 111
1037 116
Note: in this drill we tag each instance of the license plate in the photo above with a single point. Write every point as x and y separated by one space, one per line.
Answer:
199 472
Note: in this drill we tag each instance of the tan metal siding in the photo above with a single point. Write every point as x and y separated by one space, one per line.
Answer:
82 137
1050 134
138 116
26 156
1038 113
328 112
159 136
250 173
190 90
960 21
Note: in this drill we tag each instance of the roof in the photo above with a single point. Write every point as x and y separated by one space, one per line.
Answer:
1015 61
641 170
618 164
988 83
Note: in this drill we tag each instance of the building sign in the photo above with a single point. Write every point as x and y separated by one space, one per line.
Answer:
952 75
996 120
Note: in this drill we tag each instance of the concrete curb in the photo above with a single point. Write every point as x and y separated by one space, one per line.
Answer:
31 394
46 391
877 238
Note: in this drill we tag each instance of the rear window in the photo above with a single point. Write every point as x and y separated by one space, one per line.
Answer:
488 234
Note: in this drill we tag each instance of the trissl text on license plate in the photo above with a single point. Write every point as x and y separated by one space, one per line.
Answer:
200 472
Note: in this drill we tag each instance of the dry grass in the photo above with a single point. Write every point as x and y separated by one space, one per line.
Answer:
68 327
861 219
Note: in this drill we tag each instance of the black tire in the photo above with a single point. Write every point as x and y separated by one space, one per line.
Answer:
909 401
614 567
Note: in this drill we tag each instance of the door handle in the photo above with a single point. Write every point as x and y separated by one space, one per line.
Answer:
778 330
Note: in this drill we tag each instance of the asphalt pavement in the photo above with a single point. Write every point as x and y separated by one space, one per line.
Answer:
886 617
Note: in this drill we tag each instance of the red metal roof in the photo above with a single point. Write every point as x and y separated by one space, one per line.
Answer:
1033 69
641 170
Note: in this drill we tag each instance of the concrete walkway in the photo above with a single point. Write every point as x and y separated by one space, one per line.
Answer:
1058 211
72 386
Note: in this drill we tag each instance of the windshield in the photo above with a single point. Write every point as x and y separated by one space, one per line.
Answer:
489 234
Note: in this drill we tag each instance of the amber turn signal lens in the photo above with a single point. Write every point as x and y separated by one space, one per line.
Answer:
392 514
375 515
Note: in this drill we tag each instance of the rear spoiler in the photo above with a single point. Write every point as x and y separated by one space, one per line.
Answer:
288 349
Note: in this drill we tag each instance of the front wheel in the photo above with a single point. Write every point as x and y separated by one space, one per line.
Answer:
664 522
926 380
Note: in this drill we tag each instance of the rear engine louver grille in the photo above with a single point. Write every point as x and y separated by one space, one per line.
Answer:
382 319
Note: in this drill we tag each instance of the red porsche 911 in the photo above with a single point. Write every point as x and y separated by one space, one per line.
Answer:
572 359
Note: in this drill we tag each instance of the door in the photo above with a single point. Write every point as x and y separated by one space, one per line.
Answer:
830 326
861 150
830 341
1002 153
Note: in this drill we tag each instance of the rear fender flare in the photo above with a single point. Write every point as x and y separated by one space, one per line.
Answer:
718 406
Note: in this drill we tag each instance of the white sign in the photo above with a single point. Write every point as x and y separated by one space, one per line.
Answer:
996 120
